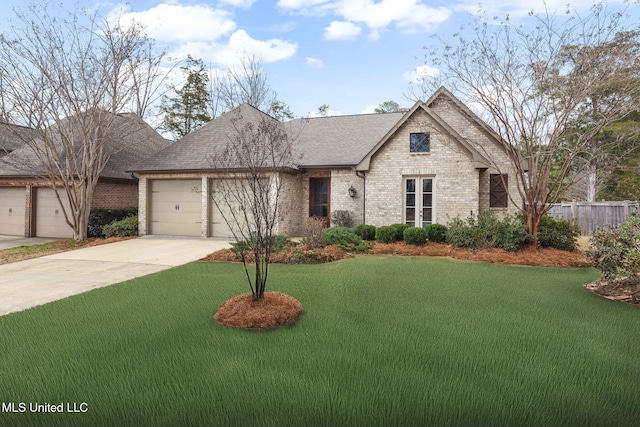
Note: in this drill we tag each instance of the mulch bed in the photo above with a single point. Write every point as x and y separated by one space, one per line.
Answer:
541 257
244 311
300 254
625 290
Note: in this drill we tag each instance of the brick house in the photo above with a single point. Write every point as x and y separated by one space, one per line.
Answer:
432 163
29 206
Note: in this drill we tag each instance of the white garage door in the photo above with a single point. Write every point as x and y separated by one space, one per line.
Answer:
175 207
50 221
12 205
218 225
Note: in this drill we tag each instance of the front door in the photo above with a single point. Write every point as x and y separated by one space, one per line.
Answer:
319 198
418 201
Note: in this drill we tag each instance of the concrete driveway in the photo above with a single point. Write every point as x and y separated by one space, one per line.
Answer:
33 282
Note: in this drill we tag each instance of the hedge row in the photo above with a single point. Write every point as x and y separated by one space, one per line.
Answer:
474 232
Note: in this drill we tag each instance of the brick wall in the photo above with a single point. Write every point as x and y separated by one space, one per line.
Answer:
291 204
486 145
109 195
455 180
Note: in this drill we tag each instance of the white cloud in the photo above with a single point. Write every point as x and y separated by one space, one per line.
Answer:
407 15
209 34
166 21
341 30
240 43
244 4
420 73
314 62
300 4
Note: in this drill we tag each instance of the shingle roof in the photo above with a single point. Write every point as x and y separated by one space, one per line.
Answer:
339 140
196 151
316 142
13 136
129 139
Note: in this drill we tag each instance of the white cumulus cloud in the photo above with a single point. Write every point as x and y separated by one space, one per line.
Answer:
406 15
420 73
166 21
341 30
244 4
241 43
314 62
203 32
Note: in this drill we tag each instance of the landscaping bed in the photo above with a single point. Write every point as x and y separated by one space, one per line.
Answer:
542 257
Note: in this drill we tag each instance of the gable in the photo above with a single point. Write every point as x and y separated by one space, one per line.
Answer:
433 119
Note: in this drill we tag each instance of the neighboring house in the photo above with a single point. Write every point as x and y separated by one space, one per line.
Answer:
12 137
429 164
28 204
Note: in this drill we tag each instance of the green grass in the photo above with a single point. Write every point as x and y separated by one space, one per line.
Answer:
384 341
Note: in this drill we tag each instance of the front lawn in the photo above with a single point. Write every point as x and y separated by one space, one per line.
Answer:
384 341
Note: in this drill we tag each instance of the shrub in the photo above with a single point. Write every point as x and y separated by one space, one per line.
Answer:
400 230
312 232
344 238
488 232
436 233
98 218
616 250
463 234
558 233
512 233
278 244
342 219
366 232
121 228
386 234
415 236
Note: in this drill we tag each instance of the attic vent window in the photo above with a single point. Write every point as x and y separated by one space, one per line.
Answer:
419 143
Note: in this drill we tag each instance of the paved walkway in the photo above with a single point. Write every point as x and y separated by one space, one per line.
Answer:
33 282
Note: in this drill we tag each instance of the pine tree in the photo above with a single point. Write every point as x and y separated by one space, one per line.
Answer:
188 109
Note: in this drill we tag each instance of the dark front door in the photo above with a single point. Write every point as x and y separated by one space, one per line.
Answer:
319 196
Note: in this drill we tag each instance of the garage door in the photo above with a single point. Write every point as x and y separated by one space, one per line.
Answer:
12 204
175 207
50 221
218 226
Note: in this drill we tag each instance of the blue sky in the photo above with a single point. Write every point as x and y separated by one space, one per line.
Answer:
350 54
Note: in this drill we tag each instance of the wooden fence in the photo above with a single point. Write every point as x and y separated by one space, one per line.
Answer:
590 215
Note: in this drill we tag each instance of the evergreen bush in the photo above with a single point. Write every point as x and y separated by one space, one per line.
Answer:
616 250
558 233
436 233
343 237
400 230
366 232
386 234
124 227
415 236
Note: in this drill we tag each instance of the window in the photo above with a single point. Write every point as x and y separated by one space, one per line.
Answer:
498 184
419 143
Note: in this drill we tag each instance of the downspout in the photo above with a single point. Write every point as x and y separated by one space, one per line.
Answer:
364 193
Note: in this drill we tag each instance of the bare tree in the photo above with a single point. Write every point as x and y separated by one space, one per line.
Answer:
258 152
245 83
66 78
527 89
